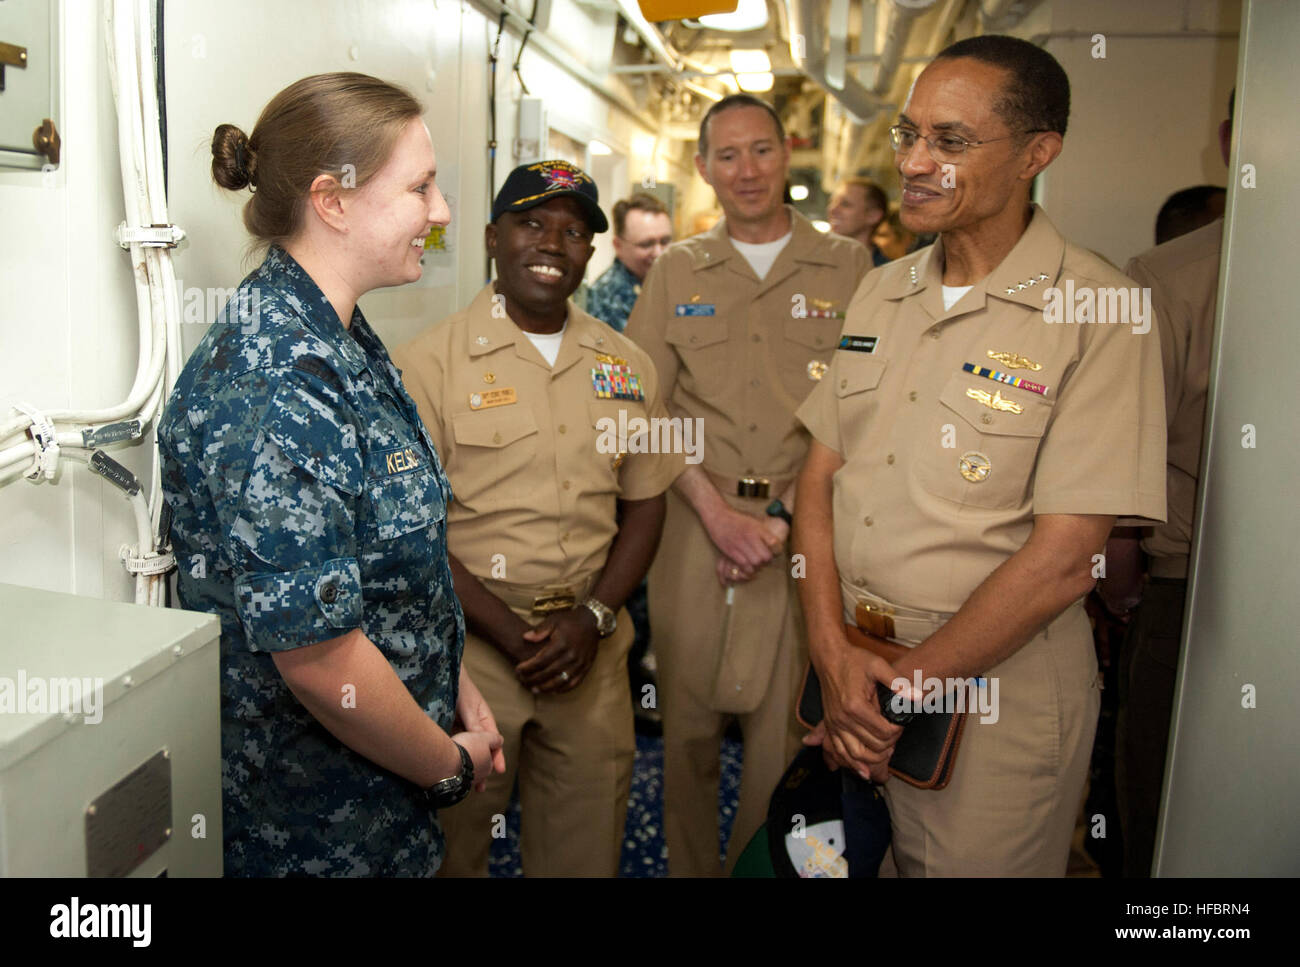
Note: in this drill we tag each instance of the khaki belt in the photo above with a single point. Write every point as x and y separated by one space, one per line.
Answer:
758 487
541 600
881 618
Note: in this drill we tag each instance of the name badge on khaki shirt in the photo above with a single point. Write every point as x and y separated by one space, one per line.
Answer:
492 397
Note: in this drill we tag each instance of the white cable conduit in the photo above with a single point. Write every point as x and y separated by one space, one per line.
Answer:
129 42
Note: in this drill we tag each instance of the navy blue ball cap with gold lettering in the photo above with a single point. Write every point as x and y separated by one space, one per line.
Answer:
535 184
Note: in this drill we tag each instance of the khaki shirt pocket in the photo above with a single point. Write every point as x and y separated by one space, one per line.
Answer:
701 343
620 428
995 450
494 458
855 378
809 343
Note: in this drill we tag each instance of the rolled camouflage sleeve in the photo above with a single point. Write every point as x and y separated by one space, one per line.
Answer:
293 540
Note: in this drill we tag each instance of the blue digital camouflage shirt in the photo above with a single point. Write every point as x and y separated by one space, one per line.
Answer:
611 297
308 500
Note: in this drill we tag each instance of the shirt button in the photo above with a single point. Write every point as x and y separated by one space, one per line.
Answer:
868 521
889 459
329 593
560 427
843 383
753 426
861 582
985 418
496 437
912 396
756 337
566 485
934 333
749 471
755 382
695 339
564 536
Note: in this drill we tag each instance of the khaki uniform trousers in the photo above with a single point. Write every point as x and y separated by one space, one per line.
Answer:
1016 788
702 684
572 754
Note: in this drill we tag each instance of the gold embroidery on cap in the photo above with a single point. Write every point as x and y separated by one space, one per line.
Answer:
1014 360
995 402
974 466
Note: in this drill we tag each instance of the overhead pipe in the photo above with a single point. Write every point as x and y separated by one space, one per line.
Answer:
898 27
808 51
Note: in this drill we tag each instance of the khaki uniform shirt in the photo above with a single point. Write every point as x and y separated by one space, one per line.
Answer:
739 353
1183 275
939 488
520 442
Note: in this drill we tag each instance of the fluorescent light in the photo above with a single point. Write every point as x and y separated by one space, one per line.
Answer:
599 147
821 226
750 61
799 192
755 83
749 15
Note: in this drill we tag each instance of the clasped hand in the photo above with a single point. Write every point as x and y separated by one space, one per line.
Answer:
745 544
853 733
563 649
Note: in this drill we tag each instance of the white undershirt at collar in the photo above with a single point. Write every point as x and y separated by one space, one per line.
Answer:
761 255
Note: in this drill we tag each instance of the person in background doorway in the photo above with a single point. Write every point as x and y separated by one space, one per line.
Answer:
1147 586
642 230
1187 210
857 206
892 238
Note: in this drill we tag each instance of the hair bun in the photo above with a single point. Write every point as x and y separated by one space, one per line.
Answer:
234 165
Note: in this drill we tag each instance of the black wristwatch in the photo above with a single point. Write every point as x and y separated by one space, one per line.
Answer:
777 509
448 792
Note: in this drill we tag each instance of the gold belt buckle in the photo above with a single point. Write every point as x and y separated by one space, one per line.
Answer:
558 601
753 487
874 621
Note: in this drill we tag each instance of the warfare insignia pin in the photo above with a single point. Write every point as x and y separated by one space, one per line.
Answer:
1014 360
974 466
995 401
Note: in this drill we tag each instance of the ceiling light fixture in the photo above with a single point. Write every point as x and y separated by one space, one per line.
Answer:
749 15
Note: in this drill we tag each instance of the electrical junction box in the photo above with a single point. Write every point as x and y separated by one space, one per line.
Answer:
110 738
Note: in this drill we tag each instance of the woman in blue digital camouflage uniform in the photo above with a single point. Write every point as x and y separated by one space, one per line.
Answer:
308 505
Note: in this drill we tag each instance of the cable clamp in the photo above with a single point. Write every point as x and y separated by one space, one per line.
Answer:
46 459
150 236
149 564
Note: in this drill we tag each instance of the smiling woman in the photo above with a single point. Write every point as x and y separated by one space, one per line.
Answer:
310 504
